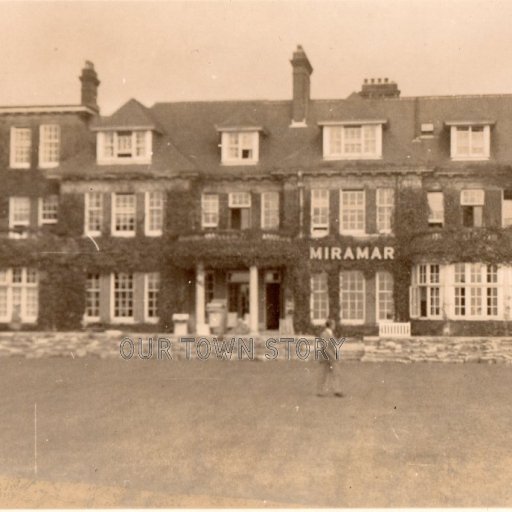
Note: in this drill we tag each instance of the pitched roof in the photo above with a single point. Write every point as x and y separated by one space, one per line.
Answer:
132 114
188 138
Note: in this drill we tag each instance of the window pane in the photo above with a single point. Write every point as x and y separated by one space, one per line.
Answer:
319 298
352 295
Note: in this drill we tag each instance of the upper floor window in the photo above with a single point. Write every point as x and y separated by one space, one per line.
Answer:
358 141
93 213
49 145
507 208
240 148
19 217
127 146
48 210
385 207
154 215
21 147
123 214
240 210
270 210
470 142
319 212
352 212
209 210
436 209
472 202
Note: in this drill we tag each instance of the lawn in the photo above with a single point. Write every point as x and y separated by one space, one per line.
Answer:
195 433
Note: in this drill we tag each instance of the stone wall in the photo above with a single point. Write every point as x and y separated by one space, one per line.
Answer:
371 349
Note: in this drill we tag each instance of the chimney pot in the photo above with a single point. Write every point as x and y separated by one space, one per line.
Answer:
90 83
302 70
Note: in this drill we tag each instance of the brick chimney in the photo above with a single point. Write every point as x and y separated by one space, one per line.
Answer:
302 70
379 88
90 83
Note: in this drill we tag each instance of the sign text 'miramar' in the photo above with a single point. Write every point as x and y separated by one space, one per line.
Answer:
352 253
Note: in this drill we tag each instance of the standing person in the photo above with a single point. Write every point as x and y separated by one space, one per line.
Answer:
329 368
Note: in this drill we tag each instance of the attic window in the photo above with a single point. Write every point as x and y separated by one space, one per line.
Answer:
470 141
358 141
240 148
126 146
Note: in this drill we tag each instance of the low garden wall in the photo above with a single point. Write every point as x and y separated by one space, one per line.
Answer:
136 346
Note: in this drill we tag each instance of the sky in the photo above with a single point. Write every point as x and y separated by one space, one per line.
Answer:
221 50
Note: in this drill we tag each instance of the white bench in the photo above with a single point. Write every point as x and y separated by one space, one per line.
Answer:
394 329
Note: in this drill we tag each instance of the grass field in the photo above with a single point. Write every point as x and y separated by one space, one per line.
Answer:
192 433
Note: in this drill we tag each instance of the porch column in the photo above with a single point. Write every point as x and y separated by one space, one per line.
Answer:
200 316
253 299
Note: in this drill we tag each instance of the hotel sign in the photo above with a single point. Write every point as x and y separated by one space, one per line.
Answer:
352 253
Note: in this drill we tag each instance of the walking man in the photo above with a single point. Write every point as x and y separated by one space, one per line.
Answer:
329 379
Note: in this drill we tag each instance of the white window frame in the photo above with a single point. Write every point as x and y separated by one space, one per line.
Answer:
210 200
41 208
350 231
270 209
87 200
319 319
435 216
104 159
245 140
320 198
7 284
455 155
147 278
13 164
239 200
385 206
24 223
343 300
379 291
506 221
150 209
92 318
341 131
480 285
49 134
122 319
428 283
116 210
473 197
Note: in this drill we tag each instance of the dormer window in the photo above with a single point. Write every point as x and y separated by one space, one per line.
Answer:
470 141
124 146
240 147
356 140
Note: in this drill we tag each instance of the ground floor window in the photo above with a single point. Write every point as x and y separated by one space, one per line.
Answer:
319 299
122 297
385 304
152 288
19 295
471 291
352 296
92 297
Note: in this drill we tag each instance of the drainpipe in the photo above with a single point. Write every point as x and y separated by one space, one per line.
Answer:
300 187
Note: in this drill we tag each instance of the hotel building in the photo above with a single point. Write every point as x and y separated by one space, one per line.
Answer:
369 209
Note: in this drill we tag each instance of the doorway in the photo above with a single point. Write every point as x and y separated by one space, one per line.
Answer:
273 305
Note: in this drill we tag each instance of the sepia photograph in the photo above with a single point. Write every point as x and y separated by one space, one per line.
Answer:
255 254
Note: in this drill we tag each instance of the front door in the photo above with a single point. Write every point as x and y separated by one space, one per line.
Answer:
273 305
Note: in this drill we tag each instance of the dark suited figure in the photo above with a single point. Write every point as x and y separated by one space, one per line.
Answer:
329 379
